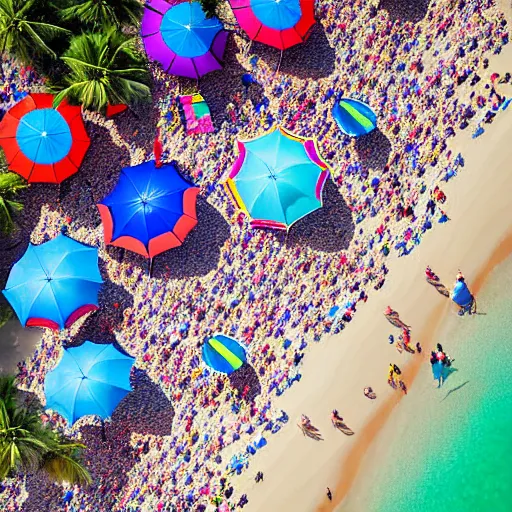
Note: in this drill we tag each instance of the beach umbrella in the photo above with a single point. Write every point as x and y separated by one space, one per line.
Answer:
223 354
277 179
55 283
89 379
281 24
354 117
182 39
151 209
42 143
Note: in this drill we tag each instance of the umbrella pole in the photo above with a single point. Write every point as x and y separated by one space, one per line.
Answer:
150 266
279 64
248 48
103 432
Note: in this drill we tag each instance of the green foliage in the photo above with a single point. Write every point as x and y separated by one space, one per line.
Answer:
95 14
6 313
27 446
23 30
209 7
104 68
10 185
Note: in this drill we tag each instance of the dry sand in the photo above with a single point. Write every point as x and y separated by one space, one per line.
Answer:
297 469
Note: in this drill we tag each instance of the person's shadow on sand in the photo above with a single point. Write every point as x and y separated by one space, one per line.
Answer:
454 390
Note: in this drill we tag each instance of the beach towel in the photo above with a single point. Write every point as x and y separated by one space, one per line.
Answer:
196 114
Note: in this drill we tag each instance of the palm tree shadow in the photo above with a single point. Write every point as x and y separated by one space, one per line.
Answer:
221 86
94 180
328 229
245 380
454 390
405 10
373 150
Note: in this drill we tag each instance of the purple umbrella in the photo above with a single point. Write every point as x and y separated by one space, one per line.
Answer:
182 39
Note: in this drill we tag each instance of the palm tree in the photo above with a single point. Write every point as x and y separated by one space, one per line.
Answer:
23 32
209 7
10 185
104 68
100 13
27 446
6 313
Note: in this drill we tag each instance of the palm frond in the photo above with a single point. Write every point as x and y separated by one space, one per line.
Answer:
61 467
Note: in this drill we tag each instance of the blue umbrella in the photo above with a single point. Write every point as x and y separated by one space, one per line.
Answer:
55 283
354 117
151 209
89 379
223 354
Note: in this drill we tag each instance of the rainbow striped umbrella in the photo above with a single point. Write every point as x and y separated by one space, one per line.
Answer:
223 354
277 179
354 117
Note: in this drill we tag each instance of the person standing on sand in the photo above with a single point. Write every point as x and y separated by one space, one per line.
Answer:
329 494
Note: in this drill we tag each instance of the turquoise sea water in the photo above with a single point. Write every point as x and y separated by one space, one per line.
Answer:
452 447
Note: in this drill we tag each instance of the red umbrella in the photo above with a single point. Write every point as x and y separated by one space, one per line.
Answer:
281 24
42 143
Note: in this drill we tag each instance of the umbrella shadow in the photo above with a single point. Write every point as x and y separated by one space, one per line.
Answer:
94 180
99 326
302 60
373 150
221 86
200 252
328 229
405 10
245 380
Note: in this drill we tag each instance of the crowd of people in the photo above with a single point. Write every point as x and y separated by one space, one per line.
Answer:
426 80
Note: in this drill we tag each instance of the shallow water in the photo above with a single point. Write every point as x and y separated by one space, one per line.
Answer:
451 448
16 344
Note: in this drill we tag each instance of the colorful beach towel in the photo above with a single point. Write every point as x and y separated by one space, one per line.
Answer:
196 114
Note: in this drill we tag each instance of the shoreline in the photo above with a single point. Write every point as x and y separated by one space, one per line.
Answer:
354 462
339 462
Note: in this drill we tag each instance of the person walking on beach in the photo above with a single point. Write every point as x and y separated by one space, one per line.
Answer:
329 494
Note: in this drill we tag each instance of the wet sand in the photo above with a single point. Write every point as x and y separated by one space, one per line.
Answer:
16 344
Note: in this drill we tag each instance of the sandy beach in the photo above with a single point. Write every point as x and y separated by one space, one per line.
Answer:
335 373
306 305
